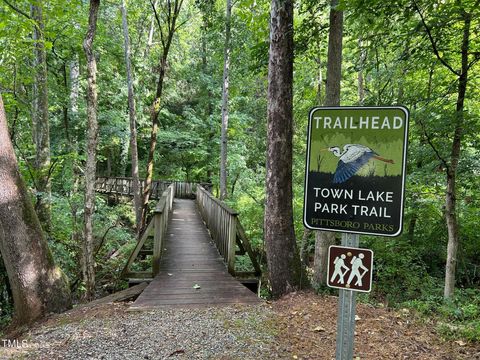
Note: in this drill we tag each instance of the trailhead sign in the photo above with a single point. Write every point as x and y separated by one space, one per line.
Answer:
355 169
350 268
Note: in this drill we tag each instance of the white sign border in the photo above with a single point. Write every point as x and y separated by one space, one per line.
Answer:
404 167
345 288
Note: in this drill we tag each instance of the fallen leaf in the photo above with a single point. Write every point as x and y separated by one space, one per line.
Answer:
318 329
169 274
181 351
460 342
196 286
357 318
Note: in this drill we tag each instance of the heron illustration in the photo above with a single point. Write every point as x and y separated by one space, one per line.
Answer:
353 157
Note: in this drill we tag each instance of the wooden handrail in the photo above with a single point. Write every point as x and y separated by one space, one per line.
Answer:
222 222
161 216
157 226
217 201
124 186
225 229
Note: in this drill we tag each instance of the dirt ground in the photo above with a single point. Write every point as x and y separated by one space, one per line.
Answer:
308 324
299 326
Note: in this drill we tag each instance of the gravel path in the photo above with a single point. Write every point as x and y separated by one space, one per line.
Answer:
110 332
299 326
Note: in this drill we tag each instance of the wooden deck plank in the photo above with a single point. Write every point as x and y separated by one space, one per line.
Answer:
190 258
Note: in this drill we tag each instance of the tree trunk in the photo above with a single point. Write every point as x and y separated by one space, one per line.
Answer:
151 32
74 87
88 265
66 119
38 286
360 77
123 158
224 135
323 239
153 141
172 13
41 128
304 247
74 93
16 110
282 254
451 196
411 227
137 196
320 81
334 57
209 107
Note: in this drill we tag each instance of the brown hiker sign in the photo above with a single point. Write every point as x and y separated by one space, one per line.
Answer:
355 169
350 268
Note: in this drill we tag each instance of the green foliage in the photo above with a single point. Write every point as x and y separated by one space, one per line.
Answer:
400 273
456 318
385 42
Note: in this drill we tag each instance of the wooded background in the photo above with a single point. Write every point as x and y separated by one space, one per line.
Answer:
179 89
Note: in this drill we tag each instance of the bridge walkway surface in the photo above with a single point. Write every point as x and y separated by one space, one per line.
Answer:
191 273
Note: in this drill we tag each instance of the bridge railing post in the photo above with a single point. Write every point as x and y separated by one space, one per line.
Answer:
160 219
232 237
222 223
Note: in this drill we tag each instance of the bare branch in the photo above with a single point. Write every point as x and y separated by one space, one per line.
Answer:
432 41
102 240
169 15
473 62
429 140
157 18
28 164
51 168
181 24
20 11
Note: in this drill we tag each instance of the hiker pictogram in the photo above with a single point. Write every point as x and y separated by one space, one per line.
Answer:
357 265
340 269
353 264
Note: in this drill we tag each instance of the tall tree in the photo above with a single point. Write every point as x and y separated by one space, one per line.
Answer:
360 76
225 88
170 10
88 263
74 86
41 127
323 239
282 254
38 286
137 196
450 163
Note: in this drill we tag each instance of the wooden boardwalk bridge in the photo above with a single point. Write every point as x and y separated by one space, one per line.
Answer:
188 250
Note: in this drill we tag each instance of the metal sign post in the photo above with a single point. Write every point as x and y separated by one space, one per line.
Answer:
346 311
354 184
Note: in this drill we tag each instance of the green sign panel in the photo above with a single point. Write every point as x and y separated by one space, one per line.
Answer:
355 169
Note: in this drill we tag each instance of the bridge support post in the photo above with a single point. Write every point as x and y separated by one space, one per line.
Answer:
159 225
232 237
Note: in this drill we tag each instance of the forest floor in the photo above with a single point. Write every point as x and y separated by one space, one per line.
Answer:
299 326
